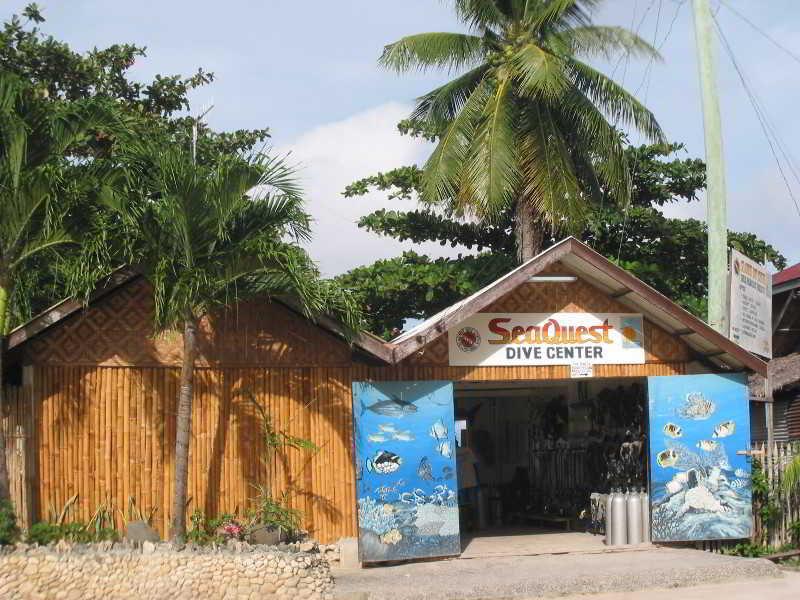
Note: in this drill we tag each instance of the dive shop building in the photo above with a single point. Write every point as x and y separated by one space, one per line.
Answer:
508 411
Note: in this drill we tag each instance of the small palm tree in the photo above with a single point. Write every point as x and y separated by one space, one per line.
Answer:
38 189
207 236
527 123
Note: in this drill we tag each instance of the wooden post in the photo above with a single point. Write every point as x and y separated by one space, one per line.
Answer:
768 413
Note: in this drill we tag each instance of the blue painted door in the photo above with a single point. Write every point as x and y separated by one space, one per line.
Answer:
405 470
700 488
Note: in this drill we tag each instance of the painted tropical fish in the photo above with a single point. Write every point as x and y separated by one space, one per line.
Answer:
403 436
708 445
376 438
387 428
438 430
697 407
672 430
724 429
424 470
444 448
384 462
667 458
393 407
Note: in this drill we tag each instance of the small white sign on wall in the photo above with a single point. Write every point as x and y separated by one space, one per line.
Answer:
581 369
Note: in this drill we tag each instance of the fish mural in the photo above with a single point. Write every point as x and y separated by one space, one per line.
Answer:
697 407
407 497
700 488
392 407
708 445
667 458
384 462
724 429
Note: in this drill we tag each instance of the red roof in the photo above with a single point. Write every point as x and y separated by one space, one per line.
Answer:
786 275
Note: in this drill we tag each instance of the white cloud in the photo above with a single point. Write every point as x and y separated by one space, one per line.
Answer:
336 154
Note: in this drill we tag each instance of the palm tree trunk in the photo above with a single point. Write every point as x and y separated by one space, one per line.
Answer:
5 484
528 236
183 430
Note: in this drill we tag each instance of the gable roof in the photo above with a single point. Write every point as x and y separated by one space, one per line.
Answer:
370 344
789 278
706 343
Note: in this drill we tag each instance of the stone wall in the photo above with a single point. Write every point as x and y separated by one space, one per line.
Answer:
162 571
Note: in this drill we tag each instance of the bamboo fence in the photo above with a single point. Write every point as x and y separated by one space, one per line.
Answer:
774 461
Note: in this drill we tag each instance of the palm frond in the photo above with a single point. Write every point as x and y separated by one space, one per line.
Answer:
492 174
541 74
551 186
451 51
442 170
605 42
615 100
440 106
480 14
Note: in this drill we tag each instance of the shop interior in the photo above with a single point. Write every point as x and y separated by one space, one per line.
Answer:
531 454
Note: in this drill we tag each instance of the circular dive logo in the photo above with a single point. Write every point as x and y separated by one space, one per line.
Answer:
468 339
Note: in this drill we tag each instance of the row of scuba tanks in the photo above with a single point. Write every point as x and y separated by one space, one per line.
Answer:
627 517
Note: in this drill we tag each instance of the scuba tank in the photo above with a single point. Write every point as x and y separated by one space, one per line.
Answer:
633 504
645 516
619 532
608 498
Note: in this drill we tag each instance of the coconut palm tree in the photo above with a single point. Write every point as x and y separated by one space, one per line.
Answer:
526 124
207 236
41 185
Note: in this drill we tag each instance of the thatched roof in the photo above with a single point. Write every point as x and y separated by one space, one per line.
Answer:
784 373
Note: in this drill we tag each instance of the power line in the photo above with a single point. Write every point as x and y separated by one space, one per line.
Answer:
763 119
775 42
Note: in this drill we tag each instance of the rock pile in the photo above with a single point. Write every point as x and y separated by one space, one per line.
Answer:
161 570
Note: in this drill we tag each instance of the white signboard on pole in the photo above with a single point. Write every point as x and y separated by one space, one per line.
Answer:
511 339
751 305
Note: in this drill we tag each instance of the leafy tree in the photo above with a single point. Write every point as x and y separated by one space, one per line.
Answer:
669 254
155 111
207 236
526 125
39 201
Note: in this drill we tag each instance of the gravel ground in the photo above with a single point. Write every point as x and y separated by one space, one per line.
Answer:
506 578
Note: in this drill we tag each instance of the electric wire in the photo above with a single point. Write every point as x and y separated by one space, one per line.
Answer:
761 31
763 119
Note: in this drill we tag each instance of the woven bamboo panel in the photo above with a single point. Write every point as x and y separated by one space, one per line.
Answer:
108 433
579 296
17 422
117 330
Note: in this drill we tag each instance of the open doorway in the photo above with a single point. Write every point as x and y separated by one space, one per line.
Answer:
531 454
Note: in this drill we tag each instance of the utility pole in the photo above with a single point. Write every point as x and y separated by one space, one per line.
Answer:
717 213
195 126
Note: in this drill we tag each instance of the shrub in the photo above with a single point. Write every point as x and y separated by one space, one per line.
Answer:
274 513
9 532
45 533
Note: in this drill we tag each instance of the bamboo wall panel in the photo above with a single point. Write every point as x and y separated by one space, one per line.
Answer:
108 434
17 423
117 330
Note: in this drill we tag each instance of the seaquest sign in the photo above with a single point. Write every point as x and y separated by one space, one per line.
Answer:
508 339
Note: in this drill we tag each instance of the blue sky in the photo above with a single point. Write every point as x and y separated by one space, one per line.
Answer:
308 71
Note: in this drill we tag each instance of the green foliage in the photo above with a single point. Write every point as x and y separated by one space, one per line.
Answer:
9 531
763 501
272 513
794 532
668 254
63 79
44 533
748 549
525 121
218 530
